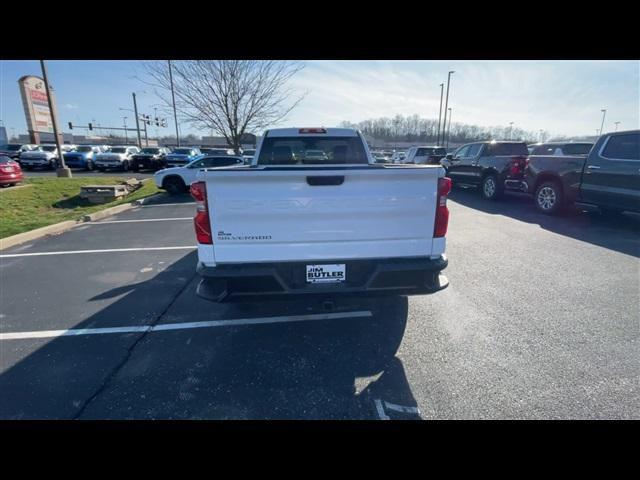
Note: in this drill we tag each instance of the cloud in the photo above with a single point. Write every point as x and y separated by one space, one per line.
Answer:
70 106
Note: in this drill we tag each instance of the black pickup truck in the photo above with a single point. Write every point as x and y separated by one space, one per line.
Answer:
493 166
606 180
150 158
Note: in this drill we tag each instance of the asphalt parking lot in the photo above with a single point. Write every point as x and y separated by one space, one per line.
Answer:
540 321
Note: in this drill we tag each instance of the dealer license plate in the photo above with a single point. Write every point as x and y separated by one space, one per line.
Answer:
326 273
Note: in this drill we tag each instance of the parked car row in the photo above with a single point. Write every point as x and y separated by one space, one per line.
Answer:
604 176
104 157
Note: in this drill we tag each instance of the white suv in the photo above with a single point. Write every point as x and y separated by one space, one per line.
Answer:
116 157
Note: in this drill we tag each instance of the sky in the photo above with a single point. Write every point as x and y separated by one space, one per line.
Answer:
560 97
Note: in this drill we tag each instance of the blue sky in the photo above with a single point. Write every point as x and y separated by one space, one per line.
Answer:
561 97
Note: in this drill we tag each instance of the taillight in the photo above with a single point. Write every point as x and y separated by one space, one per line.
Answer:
518 164
7 169
442 212
201 220
312 130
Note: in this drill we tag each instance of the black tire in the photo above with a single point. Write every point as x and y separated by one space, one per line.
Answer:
490 188
549 198
125 166
90 166
52 165
174 185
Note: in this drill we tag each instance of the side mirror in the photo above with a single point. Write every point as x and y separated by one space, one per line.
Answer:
449 156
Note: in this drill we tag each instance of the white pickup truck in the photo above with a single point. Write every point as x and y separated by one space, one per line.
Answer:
292 223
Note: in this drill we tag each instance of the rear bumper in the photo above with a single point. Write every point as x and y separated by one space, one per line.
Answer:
399 276
9 178
148 163
517 185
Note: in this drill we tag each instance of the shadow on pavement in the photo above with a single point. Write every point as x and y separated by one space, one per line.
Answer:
321 369
164 197
618 232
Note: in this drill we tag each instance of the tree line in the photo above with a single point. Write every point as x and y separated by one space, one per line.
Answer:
424 130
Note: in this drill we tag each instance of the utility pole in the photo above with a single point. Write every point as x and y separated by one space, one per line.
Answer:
62 170
604 113
446 103
126 137
449 134
173 98
439 115
135 110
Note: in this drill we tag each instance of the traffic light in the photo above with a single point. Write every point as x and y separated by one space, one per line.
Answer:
90 126
157 122
70 126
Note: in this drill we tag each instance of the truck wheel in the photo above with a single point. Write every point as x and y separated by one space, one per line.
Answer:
490 188
548 197
174 185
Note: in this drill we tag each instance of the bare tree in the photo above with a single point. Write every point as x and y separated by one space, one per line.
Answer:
230 97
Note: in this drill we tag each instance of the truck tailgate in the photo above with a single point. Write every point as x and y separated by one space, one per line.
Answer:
291 214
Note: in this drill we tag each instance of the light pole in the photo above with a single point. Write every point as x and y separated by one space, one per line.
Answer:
135 111
449 129
62 170
616 126
173 98
439 114
446 103
126 137
604 113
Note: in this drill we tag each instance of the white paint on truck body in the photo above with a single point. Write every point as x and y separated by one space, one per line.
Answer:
272 214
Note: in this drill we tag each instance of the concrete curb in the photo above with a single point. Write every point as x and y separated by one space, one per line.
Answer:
67 225
107 212
37 233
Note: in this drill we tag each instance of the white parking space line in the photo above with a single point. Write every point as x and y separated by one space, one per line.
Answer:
106 250
142 220
380 410
182 326
401 408
168 204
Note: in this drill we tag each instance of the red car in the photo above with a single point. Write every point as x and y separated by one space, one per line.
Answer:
10 171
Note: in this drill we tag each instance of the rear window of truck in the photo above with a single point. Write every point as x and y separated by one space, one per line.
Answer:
312 151
498 149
